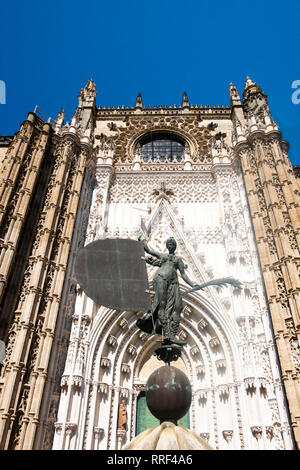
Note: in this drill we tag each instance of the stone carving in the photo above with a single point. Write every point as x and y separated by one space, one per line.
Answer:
194 350
131 350
188 128
200 369
139 189
221 364
111 340
227 434
214 342
123 323
257 432
103 388
125 368
269 432
204 435
105 362
122 416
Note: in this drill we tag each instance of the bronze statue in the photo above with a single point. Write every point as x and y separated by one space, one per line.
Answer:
164 316
112 273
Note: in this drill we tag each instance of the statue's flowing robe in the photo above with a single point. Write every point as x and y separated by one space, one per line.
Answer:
167 298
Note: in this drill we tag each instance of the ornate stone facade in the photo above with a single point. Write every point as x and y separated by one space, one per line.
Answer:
231 201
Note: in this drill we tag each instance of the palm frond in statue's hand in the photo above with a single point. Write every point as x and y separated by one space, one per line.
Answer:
216 282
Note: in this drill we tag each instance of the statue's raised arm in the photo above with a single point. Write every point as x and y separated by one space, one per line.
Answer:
148 250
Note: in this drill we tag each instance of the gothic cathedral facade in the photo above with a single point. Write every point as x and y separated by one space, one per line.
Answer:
216 178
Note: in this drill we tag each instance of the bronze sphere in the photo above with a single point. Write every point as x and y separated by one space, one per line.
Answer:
168 394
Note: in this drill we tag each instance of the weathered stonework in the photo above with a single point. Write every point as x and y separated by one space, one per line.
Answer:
232 204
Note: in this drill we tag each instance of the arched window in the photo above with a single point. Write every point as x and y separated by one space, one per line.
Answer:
161 146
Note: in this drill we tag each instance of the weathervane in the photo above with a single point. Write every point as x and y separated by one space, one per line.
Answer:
113 273
166 308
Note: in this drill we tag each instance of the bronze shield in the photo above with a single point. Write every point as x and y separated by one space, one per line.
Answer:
112 273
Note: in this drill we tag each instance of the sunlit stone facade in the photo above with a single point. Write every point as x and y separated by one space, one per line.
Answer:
216 178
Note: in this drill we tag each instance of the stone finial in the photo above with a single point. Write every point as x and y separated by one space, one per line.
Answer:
249 82
185 101
59 120
87 94
234 95
139 101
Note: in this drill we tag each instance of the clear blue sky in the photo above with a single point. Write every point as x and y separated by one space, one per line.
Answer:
159 48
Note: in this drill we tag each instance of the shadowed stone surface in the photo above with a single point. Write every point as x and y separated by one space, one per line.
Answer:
112 273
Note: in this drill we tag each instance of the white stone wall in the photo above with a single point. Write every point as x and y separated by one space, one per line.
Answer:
230 357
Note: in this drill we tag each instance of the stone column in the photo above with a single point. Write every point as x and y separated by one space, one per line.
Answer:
41 293
121 433
15 156
275 214
19 181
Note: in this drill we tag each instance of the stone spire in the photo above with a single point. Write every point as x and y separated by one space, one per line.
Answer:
87 95
251 87
59 120
255 101
185 101
86 110
249 82
139 101
235 99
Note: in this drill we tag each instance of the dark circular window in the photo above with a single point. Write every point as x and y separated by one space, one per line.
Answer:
161 146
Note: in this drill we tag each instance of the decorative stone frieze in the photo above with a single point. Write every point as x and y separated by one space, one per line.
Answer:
124 393
223 390
143 336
